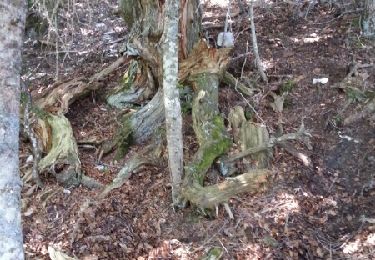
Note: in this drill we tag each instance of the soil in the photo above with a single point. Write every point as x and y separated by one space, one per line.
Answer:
322 211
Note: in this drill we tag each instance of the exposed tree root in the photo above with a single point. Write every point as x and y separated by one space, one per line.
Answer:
137 127
142 124
210 196
55 132
62 159
229 79
58 99
208 127
124 174
213 141
149 155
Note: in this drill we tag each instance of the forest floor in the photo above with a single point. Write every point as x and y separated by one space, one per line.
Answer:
323 211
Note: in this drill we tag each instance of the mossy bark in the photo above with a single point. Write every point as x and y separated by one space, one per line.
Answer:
208 127
213 141
137 127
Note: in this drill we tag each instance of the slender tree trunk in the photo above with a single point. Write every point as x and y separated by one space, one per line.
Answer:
171 98
153 38
12 22
258 61
369 19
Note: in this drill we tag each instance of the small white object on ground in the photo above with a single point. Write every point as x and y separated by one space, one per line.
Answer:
320 80
66 191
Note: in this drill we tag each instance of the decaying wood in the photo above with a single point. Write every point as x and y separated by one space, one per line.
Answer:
248 135
58 99
137 86
254 140
63 153
210 196
248 152
203 59
253 136
282 141
208 127
213 141
146 23
55 132
236 118
142 124
62 159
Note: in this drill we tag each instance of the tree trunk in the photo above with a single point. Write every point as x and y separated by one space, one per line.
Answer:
369 19
171 98
200 67
146 20
12 20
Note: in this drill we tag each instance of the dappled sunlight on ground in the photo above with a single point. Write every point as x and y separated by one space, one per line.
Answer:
322 210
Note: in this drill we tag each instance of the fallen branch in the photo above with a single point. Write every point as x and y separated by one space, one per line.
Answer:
149 155
229 79
31 135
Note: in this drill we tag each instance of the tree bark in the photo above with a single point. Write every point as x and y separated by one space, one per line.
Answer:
12 20
198 66
258 61
369 19
146 20
171 98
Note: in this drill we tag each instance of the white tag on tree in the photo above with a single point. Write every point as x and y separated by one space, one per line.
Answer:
225 40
